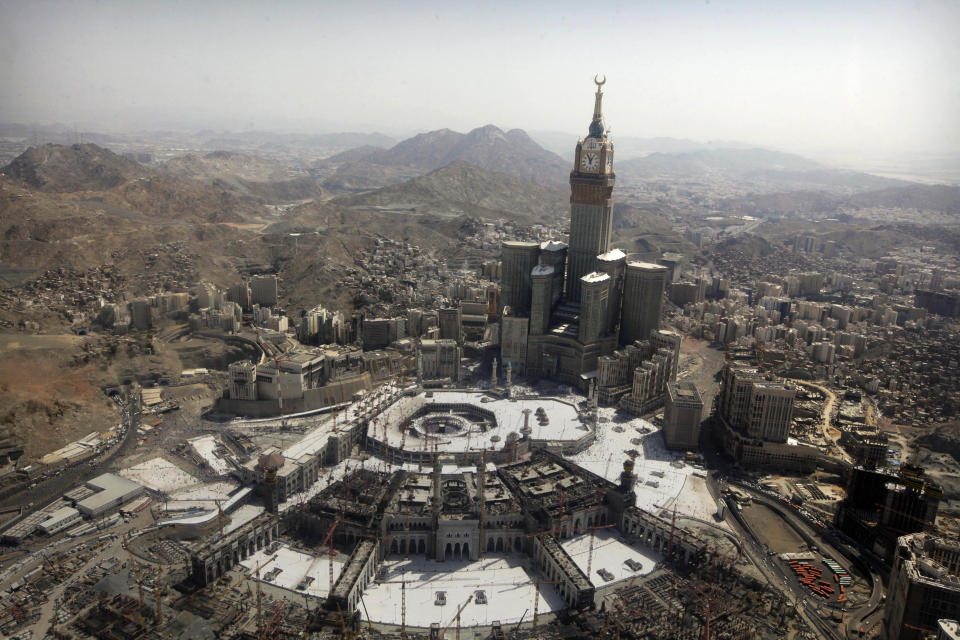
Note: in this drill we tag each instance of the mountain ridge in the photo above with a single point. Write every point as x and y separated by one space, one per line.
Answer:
487 147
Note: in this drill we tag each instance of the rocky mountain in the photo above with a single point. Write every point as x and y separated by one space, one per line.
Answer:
292 142
245 175
461 188
364 176
80 167
746 171
942 200
225 164
511 152
83 206
922 197
562 143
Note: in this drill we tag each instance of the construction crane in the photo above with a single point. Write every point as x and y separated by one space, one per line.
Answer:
160 591
708 598
456 618
590 552
136 573
366 613
482 491
673 527
329 542
260 595
536 599
274 623
403 604
220 517
343 624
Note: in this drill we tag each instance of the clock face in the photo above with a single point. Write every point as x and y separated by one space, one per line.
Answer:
589 162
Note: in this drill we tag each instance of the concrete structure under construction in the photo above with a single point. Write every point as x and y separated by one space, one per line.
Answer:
682 414
924 586
457 514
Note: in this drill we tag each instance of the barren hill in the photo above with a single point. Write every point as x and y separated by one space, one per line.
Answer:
80 167
225 164
747 170
461 188
942 200
512 152
245 175
117 207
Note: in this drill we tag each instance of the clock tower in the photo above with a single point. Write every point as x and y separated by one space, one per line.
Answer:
591 201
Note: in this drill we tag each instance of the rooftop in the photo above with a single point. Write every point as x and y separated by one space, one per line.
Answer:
949 629
596 276
646 266
109 487
509 590
612 255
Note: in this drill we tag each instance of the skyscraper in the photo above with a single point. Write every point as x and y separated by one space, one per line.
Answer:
591 200
519 258
541 278
576 297
263 290
594 288
642 300
682 412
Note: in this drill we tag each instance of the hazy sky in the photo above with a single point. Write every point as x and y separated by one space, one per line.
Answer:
875 76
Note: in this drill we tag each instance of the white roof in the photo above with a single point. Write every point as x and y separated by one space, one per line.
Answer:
542 270
553 245
646 265
610 553
509 589
61 514
612 255
596 276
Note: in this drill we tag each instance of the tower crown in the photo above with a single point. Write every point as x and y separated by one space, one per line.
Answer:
596 125
594 154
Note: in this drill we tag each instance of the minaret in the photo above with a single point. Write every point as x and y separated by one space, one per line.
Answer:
591 203
438 549
627 477
419 367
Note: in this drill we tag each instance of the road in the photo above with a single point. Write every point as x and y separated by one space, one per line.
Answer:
778 579
869 613
830 434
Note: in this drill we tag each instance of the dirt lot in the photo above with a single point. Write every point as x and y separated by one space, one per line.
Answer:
25 341
208 353
772 530
45 403
699 363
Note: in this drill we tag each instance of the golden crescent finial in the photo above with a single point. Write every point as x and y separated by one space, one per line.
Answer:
599 83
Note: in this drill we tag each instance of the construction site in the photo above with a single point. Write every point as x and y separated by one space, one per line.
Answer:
404 513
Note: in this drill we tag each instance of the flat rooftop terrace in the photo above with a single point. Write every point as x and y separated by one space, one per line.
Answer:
294 567
610 552
504 578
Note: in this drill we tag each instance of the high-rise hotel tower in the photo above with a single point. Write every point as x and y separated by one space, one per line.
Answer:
591 200
564 307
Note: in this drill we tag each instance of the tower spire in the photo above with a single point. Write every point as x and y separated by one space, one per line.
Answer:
596 126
